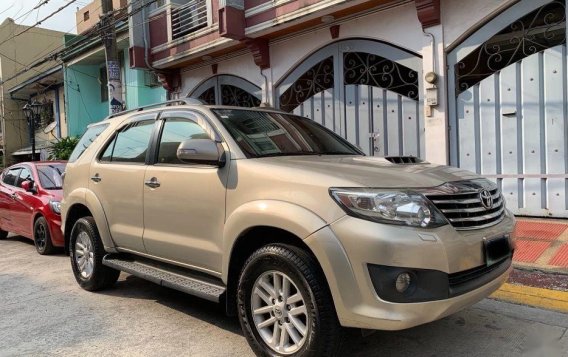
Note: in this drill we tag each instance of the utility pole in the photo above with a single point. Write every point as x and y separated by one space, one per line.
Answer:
108 36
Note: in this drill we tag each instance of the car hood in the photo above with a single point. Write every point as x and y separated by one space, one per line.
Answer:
368 171
56 195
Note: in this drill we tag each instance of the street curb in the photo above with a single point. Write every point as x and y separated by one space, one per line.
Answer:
540 269
531 296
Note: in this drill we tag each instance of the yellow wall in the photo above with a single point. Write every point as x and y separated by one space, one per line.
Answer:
15 55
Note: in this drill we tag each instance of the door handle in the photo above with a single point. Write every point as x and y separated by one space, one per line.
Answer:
96 178
14 196
152 183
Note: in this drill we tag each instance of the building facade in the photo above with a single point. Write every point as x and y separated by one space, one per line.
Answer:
19 46
480 85
85 72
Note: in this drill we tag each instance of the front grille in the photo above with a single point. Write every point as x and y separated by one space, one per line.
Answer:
464 210
457 279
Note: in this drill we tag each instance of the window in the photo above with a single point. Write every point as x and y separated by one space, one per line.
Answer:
175 131
86 140
151 79
25 175
103 79
11 175
130 144
86 15
50 176
260 134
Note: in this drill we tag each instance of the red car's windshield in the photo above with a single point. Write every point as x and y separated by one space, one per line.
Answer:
50 176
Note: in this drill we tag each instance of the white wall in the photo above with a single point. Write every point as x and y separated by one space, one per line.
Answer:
242 66
461 16
398 26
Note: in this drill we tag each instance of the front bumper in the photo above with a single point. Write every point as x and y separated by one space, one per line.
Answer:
348 247
54 224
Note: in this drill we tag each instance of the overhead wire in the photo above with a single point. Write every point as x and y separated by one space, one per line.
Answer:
95 31
39 22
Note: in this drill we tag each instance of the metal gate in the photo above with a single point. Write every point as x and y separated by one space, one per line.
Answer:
508 114
226 89
366 91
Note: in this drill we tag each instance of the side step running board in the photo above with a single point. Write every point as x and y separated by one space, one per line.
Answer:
168 276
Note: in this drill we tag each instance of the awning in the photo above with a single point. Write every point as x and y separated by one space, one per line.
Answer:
37 84
27 150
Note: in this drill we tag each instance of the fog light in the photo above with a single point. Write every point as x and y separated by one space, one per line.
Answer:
402 282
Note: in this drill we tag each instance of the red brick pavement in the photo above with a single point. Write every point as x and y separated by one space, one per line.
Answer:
542 244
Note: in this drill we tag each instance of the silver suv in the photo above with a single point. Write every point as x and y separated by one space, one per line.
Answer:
287 224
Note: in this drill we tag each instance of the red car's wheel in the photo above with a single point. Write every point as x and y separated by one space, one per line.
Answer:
42 238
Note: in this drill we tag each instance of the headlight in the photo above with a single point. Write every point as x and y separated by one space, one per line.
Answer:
392 207
55 206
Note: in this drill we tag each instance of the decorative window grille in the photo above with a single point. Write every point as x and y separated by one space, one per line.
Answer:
537 31
189 18
314 80
377 71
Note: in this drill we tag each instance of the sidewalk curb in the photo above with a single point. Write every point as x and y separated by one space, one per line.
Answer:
540 269
531 296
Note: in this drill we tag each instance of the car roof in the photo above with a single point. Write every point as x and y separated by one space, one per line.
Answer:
161 106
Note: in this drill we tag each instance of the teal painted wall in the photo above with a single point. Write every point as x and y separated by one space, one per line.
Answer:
83 104
137 93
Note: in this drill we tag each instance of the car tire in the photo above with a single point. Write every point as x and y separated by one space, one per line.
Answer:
3 234
42 237
306 323
87 252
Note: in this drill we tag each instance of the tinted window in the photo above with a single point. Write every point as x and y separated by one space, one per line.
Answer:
130 144
50 176
11 176
261 134
25 175
174 132
86 140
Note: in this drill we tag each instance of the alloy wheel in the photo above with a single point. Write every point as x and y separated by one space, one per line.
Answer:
279 312
40 236
84 255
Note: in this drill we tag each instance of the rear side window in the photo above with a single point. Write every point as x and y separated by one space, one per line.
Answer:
11 176
86 140
130 144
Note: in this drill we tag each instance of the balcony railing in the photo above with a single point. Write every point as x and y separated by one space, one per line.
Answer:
188 18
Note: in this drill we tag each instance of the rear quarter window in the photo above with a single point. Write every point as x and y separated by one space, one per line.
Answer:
86 140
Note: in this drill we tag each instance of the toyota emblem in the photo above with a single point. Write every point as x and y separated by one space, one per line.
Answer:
486 199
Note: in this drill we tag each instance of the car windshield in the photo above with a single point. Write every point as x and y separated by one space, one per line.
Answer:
50 176
263 134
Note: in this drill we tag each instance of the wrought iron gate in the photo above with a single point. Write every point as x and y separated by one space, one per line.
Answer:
366 91
228 90
508 114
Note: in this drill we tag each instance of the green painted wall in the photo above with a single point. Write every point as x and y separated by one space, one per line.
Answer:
83 104
137 93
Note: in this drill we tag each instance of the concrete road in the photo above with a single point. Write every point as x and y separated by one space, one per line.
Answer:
44 312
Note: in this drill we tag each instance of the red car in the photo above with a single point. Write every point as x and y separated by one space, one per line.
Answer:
30 196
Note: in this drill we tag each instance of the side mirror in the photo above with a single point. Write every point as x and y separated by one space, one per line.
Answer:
201 151
28 186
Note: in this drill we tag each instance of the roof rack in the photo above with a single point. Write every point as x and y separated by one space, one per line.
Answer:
182 101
